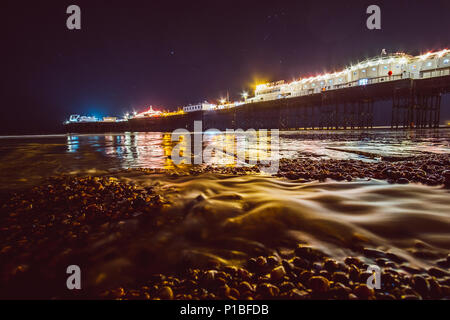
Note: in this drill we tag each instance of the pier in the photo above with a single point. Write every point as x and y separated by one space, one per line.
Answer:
416 103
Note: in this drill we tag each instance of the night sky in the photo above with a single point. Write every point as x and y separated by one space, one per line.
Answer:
131 54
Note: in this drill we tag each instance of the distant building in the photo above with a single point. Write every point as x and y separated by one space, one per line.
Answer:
109 119
199 107
78 118
149 113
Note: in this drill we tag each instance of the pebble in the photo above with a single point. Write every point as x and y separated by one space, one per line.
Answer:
443 263
319 284
340 277
287 265
305 276
272 261
306 252
277 274
286 286
435 289
331 265
301 263
166 293
339 293
410 297
437 272
267 290
352 296
373 253
420 284
298 294
395 258
354 273
352 260
363 291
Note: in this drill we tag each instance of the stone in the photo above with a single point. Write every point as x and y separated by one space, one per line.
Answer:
300 262
330 265
340 277
277 274
319 284
363 291
166 293
298 294
420 284
437 272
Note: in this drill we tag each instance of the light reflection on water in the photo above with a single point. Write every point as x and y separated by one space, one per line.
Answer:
153 150
25 159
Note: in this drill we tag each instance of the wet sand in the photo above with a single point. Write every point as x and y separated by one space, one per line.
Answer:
232 233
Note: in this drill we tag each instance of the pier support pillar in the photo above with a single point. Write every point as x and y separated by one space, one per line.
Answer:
416 110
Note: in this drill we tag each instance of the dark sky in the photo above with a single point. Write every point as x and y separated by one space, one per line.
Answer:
131 54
